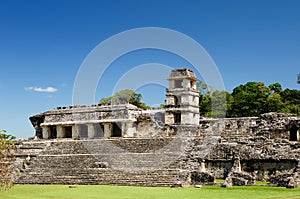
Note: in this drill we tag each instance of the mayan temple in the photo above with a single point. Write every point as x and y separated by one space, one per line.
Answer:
172 146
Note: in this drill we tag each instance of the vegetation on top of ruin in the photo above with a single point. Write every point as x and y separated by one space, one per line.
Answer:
6 158
124 97
250 99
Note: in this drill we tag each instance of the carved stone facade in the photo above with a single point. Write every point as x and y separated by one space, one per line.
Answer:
88 122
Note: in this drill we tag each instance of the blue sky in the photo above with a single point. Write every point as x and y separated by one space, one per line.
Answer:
43 43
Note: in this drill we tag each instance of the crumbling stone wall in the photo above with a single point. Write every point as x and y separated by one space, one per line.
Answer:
275 125
262 145
150 123
229 129
264 148
36 123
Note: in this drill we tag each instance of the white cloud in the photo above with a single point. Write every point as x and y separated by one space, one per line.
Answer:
42 90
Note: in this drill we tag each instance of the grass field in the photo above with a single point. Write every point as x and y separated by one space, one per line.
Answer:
124 192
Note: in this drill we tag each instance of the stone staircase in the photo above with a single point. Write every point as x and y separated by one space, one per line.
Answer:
100 161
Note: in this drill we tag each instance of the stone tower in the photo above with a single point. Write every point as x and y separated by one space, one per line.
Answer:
182 98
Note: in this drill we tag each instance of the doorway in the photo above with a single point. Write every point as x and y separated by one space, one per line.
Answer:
294 134
53 132
68 131
116 131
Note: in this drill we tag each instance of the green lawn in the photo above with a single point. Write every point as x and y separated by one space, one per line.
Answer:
123 192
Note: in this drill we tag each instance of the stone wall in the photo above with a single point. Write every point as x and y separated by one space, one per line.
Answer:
165 155
262 144
94 112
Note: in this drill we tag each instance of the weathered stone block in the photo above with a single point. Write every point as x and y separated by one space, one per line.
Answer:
202 178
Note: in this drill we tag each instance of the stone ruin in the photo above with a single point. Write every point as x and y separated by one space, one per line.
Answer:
174 146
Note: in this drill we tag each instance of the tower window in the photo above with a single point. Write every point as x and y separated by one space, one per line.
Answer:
177 100
178 84
177 118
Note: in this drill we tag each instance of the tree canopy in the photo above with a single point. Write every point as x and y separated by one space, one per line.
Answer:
124 97
250 99
276 87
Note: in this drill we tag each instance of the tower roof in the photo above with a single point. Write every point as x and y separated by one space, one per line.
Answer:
182 73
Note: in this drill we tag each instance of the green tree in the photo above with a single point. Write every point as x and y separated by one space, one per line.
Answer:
298 79
162 106
204 89
249 99
276 87
124 97
106 101
291 101
274 103
7 149
213 103
205 105
221 103
204 98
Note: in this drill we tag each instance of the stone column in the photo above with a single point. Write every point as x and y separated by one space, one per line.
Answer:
75 131
237 164
60 131
107 130
91 130
97 130
129 131
123 128
202 166
46 132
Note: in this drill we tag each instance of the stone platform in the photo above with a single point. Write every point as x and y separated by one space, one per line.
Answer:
99 161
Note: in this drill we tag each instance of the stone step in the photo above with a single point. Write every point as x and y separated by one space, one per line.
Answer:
99 162
109 146
87 178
